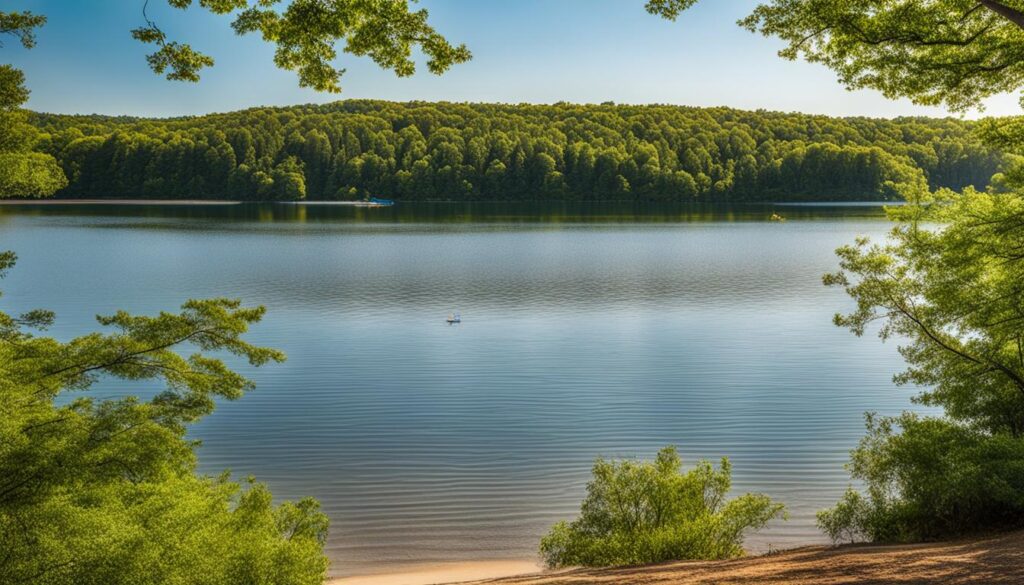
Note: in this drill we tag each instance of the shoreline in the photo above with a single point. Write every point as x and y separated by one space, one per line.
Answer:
119 202
989 558
43 201
808 203
993 559
431 574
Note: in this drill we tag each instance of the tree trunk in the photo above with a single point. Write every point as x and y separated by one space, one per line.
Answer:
1012 14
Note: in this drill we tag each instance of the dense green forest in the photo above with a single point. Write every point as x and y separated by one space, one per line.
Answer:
445 151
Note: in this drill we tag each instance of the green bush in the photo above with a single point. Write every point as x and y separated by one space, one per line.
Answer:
929 478
639 512
846 521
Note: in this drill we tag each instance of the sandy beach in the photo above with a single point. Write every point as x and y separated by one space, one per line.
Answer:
445 573
991 560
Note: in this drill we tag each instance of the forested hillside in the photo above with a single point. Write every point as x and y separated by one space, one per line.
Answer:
441 151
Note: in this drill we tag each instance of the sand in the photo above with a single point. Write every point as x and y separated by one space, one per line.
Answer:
993 560
442 573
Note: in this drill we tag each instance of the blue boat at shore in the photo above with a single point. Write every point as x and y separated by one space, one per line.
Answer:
382 202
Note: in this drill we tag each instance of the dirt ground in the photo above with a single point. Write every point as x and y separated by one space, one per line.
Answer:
990 560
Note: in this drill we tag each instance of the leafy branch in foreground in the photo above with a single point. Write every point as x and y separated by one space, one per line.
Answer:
953 292
306 32
21 25
105 491
668 9
639 512
951 52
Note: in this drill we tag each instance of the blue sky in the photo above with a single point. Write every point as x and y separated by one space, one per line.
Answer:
538 51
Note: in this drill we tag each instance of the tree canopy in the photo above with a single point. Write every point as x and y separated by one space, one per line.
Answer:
305 34
954 295
443 151
22 173
949 52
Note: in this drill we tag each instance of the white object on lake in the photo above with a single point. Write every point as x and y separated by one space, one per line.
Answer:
453 318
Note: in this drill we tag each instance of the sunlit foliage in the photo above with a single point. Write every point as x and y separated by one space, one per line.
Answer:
305 34
424 151
22 173
929 478
104 490
949 52
640 512
948 286
29 175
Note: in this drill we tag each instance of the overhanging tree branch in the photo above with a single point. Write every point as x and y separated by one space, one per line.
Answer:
1012 14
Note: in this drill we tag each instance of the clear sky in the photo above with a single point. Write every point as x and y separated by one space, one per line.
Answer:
538 51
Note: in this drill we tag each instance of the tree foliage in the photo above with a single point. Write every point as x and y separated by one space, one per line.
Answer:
929 478
305 34
13 92
948 285
22 26
949 52
952 294
22 174
443 151
105 491
30 175
670 9
640 512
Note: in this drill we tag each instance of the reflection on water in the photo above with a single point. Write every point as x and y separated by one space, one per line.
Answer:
476 212
587 330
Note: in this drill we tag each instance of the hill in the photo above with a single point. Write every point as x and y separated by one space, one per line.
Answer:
447 151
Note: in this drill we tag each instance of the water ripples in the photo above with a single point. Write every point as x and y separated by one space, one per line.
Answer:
429 443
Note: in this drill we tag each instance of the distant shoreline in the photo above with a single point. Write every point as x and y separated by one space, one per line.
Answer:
118 202
176 202
30 201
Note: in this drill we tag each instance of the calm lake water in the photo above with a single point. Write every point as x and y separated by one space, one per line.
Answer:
607 330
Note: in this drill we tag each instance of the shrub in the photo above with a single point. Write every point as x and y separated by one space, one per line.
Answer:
929 478
639 512
847 521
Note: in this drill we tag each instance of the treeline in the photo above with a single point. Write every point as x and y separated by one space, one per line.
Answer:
445 151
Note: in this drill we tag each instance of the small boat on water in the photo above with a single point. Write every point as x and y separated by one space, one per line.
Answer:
453 318
369 202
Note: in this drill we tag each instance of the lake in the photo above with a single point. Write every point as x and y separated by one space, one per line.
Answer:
606 330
